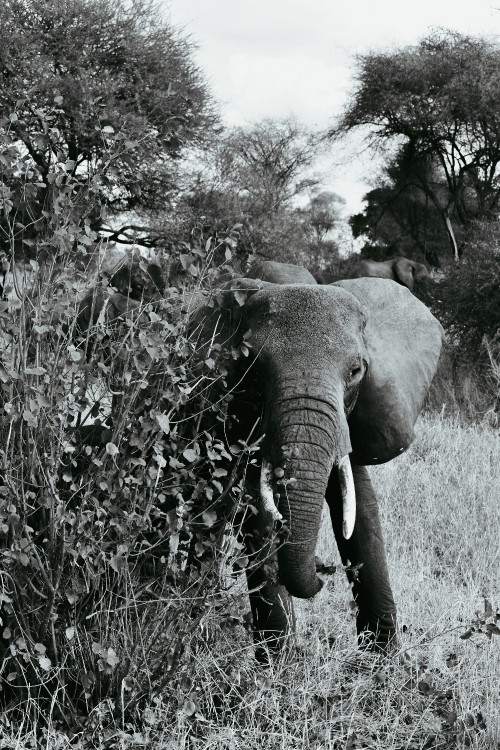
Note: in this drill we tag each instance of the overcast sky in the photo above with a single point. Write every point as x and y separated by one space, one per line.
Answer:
272 58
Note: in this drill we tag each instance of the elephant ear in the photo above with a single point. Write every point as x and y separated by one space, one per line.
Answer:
404 272
403 341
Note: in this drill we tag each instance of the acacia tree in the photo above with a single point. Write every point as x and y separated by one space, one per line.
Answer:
101 87
267 162
251 179
442 97
398 217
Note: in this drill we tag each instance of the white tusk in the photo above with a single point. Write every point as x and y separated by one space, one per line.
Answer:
348 497
266 491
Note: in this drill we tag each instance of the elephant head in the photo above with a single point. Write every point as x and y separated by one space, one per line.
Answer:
402 270
343 371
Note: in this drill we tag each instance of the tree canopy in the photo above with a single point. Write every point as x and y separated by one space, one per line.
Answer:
268 162
442 99
100 85
253 176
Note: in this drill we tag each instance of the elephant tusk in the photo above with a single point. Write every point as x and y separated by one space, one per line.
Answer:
348 496
266 491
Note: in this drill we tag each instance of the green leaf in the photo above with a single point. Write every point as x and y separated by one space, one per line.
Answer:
163 421
186 259
209 518
30 418
112 449
111 657
240 297
190 455
45 663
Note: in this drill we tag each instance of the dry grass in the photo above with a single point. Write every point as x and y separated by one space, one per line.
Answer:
441 511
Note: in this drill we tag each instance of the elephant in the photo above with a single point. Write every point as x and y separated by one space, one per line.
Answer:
403 270
337 376
135 283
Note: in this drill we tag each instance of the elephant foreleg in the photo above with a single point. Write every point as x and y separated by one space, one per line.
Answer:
271 604
364 554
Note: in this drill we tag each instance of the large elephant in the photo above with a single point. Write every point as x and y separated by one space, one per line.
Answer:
403 270
338 377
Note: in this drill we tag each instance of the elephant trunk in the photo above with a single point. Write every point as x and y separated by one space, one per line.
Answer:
310 436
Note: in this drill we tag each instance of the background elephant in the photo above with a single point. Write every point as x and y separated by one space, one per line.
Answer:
136 283
338 378
403 270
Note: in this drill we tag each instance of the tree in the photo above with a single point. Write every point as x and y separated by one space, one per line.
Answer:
267 163
399 218
251 178
102 87
323 213
442 98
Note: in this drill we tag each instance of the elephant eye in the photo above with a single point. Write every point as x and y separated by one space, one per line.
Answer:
355 372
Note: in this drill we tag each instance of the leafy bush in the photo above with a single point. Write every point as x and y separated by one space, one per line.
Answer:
467 300
114 535
118 496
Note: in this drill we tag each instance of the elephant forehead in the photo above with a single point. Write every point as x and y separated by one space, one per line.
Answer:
313 311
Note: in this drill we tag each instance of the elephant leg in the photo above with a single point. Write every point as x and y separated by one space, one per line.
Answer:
271 604
364 554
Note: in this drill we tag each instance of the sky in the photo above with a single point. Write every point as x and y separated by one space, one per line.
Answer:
274 58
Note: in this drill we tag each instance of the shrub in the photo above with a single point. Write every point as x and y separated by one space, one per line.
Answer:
467 300
117 494
115 518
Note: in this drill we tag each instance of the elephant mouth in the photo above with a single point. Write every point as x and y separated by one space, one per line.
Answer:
346 485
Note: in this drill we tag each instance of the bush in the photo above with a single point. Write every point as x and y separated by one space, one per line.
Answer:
467 303
467 300
116 519
117 494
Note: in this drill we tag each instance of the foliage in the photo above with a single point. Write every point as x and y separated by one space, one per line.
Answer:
442 99
467 300
102 87
437 690
252 180
322 214
266 163
399 218
118 488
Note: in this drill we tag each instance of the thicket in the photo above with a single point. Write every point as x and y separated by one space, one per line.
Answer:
120 495
467 302
467 299
116 518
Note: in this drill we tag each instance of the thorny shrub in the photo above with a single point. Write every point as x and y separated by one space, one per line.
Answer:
119 495
467 299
